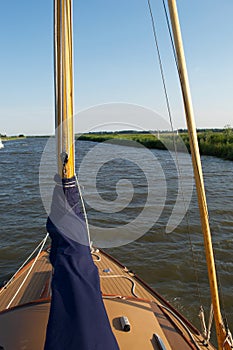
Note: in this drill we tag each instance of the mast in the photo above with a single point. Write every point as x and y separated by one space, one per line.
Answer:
63 61
220 329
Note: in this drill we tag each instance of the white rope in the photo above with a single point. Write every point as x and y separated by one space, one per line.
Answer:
128 278
94 253
206 331
228 339
203 322
182 323
114 297
211 316
24 263
97 256
84 211
29 271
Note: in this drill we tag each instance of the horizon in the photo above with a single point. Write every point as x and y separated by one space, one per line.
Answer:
181 130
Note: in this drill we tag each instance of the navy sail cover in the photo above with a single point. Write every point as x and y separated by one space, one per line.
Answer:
77 320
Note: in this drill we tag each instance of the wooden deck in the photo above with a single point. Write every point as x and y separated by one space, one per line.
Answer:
123 294
32 289
115 280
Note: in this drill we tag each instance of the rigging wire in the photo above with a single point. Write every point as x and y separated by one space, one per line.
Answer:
170 34
223 308
191 137
172 127
160 64
84 211
41 245
203 199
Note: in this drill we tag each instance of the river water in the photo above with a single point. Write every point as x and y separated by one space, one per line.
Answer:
171 262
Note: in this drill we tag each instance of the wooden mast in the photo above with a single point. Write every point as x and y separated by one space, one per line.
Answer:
220 329
63 60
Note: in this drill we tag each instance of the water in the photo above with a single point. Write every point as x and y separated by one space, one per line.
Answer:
167 261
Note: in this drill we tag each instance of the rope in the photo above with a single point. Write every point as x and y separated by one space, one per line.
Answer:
25 262
221 293
171 37
211 317
183 324
29 271
113 296
203 198
84 211
160 63
98 258
203 323
228 339
172 128
206 331
202 193
162 306
117 276
128 278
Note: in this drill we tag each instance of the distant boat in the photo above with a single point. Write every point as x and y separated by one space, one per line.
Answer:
1 144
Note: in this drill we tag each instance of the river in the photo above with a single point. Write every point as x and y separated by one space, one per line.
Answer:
171 262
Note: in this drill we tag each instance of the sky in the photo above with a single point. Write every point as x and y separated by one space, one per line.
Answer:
115 61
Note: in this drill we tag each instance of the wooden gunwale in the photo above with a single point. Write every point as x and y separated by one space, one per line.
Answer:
30 303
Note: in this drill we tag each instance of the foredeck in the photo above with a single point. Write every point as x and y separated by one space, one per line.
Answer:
115 280
22 290
122 292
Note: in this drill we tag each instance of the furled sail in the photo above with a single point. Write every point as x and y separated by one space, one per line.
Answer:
77 319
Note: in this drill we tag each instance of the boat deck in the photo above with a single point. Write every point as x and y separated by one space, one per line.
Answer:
123 294
116 280
21 291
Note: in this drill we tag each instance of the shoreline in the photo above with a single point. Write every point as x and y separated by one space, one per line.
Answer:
12 138
211 143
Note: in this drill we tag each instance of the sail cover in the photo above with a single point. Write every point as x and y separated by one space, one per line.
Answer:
77 319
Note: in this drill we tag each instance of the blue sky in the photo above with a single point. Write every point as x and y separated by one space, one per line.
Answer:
114 60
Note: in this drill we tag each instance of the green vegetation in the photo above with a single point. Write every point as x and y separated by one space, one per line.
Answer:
15 137
218 143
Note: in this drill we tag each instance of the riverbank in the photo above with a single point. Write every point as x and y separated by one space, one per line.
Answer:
12 138
212 143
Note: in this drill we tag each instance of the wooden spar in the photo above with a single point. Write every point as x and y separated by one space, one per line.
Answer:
220 329
63 61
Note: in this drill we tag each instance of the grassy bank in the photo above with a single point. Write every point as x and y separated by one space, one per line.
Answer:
214 143
12 138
